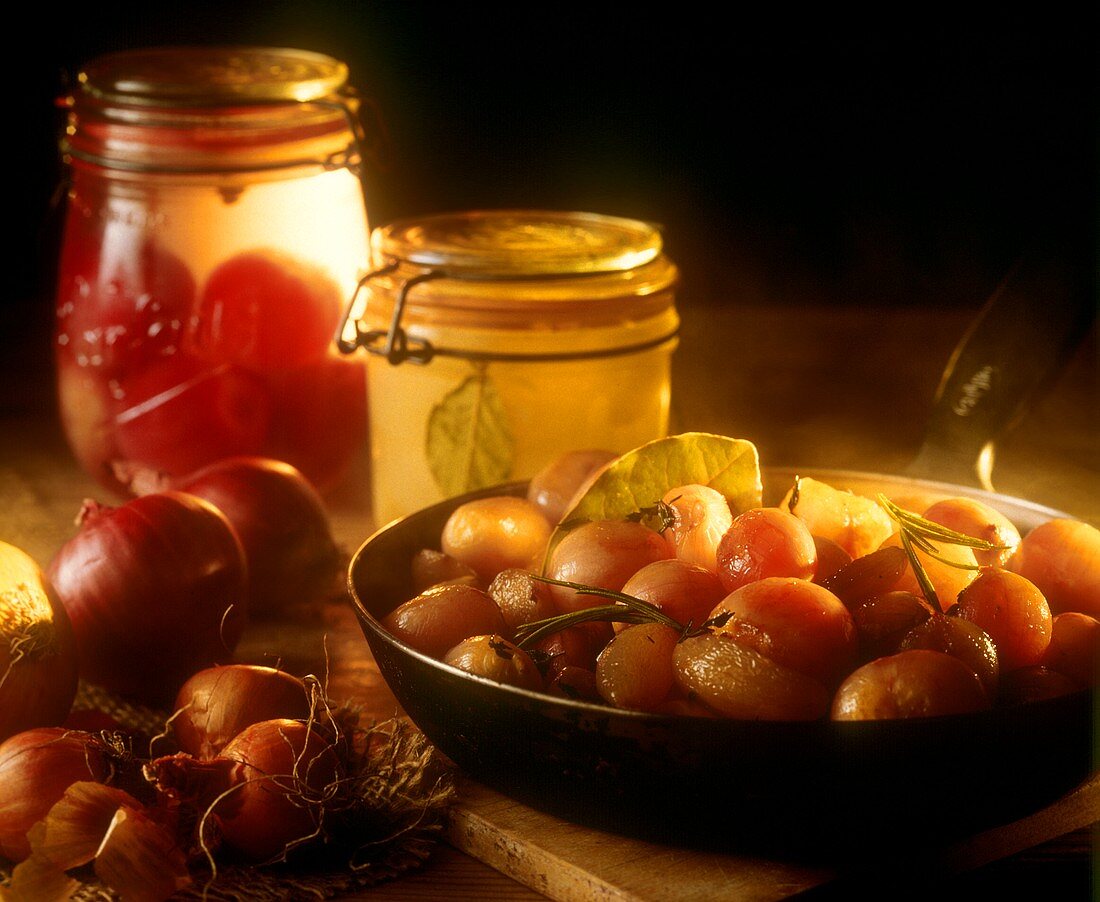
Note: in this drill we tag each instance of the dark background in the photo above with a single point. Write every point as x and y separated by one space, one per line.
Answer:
787 159
858 156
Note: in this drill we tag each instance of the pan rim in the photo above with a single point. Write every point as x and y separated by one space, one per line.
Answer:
369 619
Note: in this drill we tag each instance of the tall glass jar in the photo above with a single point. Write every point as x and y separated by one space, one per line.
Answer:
502 339
215 227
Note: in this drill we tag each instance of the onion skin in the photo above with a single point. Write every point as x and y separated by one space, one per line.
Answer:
38 669
282 524
215 704
286 771
155 590
36 767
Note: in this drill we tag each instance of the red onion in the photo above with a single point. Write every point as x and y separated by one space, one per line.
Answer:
281 522
217 703
36 767
155 590
37 649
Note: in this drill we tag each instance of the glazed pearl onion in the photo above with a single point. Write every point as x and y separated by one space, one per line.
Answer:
701 517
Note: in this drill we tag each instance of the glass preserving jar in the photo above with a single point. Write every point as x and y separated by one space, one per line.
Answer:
499 340
215 227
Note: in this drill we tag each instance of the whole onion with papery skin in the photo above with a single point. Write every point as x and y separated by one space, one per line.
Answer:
155 589
37 649
289 770
36 767
215 704
267 791
281 522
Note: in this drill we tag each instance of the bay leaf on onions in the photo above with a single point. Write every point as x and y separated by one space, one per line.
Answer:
636 481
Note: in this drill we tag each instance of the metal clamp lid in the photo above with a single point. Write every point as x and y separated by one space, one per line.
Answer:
227 89
397 346
217 75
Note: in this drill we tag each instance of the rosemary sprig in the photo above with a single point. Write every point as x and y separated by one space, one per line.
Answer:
935 531
919 533
627 610
926 587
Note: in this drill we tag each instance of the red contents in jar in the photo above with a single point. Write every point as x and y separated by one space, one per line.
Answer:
319 419
266 311
156 373
179 414
121 306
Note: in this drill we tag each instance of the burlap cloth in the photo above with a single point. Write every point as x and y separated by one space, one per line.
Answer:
410 788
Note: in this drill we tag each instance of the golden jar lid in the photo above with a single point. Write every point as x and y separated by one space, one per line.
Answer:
213 111
488 244
169 76
514 271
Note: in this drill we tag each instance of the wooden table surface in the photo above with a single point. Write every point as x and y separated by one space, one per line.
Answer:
836 387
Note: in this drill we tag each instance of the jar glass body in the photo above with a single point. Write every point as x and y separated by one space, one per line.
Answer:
544 407
529 334
195 316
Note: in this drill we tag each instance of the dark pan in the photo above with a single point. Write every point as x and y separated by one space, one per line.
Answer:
841 789
821 786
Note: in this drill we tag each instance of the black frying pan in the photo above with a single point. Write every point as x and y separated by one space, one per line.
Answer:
793 783
822 786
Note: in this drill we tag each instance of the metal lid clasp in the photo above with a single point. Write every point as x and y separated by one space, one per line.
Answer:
394 344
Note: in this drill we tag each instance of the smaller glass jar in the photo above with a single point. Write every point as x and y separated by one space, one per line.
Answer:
215 227
499 340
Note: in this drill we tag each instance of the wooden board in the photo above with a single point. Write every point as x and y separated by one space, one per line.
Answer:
572 864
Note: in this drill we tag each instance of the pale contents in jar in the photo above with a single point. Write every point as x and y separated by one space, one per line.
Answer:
547 409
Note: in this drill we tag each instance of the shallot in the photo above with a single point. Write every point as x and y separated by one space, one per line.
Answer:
268 791
36 767
288 773
215 704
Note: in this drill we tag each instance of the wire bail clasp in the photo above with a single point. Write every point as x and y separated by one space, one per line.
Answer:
395 344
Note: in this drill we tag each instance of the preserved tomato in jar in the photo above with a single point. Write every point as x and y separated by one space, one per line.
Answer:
215 228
